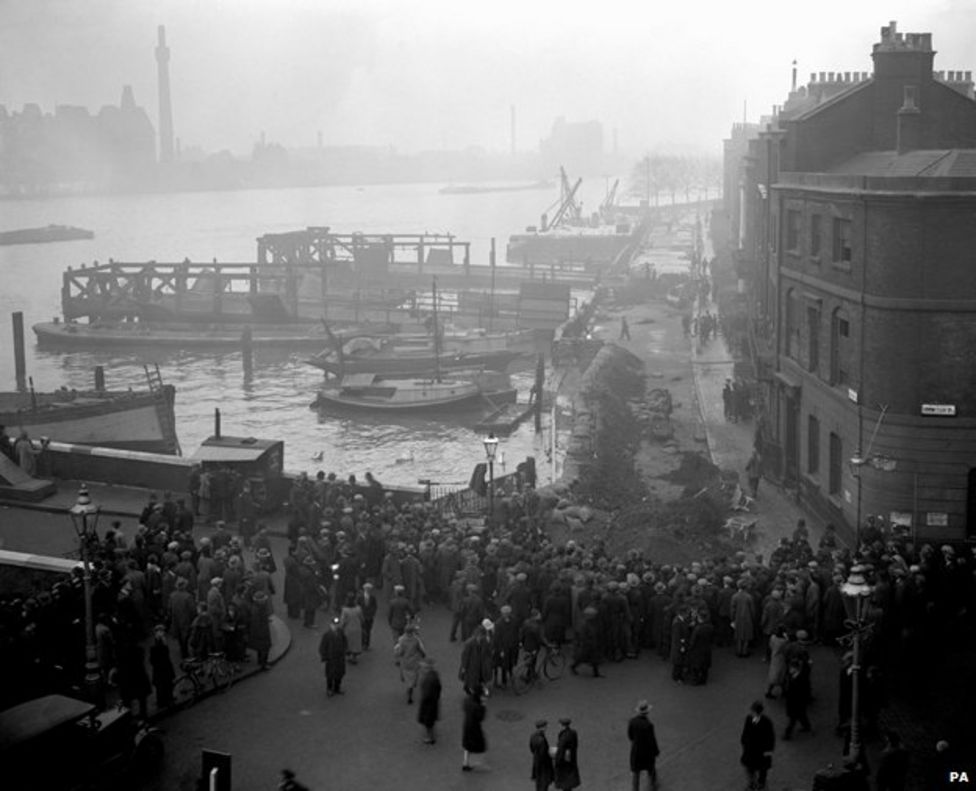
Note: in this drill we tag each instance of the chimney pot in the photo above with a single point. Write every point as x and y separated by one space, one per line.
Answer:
823 76
969 76
847 76
813 76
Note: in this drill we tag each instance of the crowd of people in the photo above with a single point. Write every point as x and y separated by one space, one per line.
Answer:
509 590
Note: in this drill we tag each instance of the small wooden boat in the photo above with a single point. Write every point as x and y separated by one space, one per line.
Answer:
377 392
371 391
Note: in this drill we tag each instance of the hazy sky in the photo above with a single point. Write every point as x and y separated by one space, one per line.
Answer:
420 74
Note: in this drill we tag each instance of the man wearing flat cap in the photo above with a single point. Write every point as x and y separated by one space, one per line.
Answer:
565 762
542 770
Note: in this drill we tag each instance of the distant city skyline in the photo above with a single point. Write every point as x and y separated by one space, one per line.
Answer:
430 78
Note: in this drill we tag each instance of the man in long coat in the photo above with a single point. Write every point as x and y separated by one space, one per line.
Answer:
589 645
743 619
542 769
476 663
643 745
699 656
429 708
332 652
680 636
758 740
565 761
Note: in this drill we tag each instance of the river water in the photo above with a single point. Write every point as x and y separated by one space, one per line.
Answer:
275 402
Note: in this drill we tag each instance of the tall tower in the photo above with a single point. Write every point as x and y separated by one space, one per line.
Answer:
165 108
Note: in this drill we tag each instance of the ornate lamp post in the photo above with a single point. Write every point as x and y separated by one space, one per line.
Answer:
84 518
491 447
856 592
856 462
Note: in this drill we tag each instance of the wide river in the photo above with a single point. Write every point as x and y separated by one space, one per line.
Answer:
275 402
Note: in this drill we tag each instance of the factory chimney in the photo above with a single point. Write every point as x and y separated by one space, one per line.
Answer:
165 107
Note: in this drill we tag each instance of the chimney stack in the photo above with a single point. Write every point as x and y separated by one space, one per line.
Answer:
909 121
165 107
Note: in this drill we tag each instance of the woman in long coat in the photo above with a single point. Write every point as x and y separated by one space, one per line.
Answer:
351 620
259 635
429 707
472 736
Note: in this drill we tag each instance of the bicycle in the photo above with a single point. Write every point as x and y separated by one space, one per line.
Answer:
200 674
531 668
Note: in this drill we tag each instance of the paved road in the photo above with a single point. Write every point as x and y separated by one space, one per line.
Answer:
369 738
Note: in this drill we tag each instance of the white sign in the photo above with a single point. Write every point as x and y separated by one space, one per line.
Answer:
852 394
945 410
936 519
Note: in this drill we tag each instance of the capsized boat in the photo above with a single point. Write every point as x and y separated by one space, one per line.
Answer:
49 233
126 420
376 392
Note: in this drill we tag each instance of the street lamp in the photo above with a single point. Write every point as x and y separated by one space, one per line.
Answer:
856 462
491 447
84 518
856 592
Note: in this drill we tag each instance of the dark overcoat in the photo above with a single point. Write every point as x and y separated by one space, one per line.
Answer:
565 763
542 769
472 735
757 738
429 710
643 744
332 651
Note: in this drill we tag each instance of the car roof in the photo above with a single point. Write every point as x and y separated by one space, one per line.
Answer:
36 717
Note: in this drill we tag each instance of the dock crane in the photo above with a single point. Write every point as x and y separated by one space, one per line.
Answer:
606 208
568 209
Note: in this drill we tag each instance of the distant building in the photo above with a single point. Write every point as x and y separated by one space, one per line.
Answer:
576 146
74 151
860 199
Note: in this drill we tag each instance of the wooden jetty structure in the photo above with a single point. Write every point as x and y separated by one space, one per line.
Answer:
315 274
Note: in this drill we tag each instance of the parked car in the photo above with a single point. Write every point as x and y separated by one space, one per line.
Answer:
59 743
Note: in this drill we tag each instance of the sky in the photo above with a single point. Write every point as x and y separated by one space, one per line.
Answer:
443 74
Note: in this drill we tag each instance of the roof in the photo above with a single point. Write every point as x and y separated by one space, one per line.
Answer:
36 717
956 162
232 449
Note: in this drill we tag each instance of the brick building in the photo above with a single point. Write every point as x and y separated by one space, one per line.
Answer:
859 245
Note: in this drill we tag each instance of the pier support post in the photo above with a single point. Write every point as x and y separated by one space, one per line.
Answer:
20 364
247 353
99 378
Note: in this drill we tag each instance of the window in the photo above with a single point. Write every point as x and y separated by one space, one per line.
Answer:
840 331
792 329
842 240
836 463
816 235
813 339
813 445
792 229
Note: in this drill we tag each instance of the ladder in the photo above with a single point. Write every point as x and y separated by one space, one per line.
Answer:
164 409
